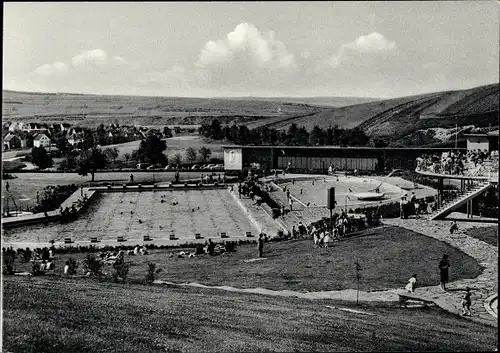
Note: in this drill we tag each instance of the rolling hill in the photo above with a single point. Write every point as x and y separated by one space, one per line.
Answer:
85 109
400 117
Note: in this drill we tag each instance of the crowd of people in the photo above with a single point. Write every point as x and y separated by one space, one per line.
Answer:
472 163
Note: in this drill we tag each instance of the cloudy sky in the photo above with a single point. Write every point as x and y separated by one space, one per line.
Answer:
364 49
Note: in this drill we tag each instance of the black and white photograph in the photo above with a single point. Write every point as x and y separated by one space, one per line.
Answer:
250 176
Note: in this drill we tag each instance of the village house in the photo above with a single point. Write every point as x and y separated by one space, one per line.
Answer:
41 140
11 141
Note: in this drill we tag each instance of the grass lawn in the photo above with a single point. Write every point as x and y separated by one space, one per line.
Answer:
388 257
487 234
61 315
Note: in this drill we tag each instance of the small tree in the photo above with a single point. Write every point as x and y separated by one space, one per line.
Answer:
127 156
152 273
191 154
111 153
40 158
90 161
73 266
205 153
120 270
177 159
93 265
9 257
151 150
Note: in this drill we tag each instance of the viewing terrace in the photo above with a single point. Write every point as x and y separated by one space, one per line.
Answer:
477 171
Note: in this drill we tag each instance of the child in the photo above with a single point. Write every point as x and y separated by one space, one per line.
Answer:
412 282
466 302
453 227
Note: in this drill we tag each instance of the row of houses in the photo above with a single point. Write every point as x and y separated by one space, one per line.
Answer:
26 135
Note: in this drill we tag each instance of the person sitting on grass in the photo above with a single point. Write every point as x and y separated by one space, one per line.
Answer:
412 282
327 239
66 269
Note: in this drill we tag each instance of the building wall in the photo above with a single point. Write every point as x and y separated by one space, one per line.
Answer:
481 143
363 159
43 142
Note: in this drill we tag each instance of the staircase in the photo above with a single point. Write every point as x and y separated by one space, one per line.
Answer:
449 206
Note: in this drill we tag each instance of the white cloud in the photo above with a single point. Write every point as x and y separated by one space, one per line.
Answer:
56 68
372 44
90 59
247 42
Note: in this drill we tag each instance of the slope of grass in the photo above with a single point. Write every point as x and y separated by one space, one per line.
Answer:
59 315
388 257
486 234
91 110
401 116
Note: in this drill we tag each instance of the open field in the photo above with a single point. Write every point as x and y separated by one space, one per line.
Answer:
136 214
92 110
388 257
23 189
60 315
178 144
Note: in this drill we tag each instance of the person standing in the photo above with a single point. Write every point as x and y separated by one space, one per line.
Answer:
412 282
7 186
466 302
261 244
444 264
131 177
290 203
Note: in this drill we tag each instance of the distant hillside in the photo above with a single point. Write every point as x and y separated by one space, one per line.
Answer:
89 110
398 117
316 101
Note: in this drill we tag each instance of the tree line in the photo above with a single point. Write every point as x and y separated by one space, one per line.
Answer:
293 136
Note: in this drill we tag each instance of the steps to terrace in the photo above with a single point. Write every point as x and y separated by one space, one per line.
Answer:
450 206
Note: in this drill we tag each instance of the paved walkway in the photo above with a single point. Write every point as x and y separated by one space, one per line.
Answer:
483 287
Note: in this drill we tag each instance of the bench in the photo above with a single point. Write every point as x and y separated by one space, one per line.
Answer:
249 234
94 240
68 241
147 238
404 299
223 235
198 236
120 239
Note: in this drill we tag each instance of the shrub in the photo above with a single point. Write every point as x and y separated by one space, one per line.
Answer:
27 254
93 266
152 272
120 270
9 257
230 246
73 266
7 176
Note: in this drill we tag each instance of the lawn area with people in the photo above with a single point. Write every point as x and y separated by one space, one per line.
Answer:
68 315
388 256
